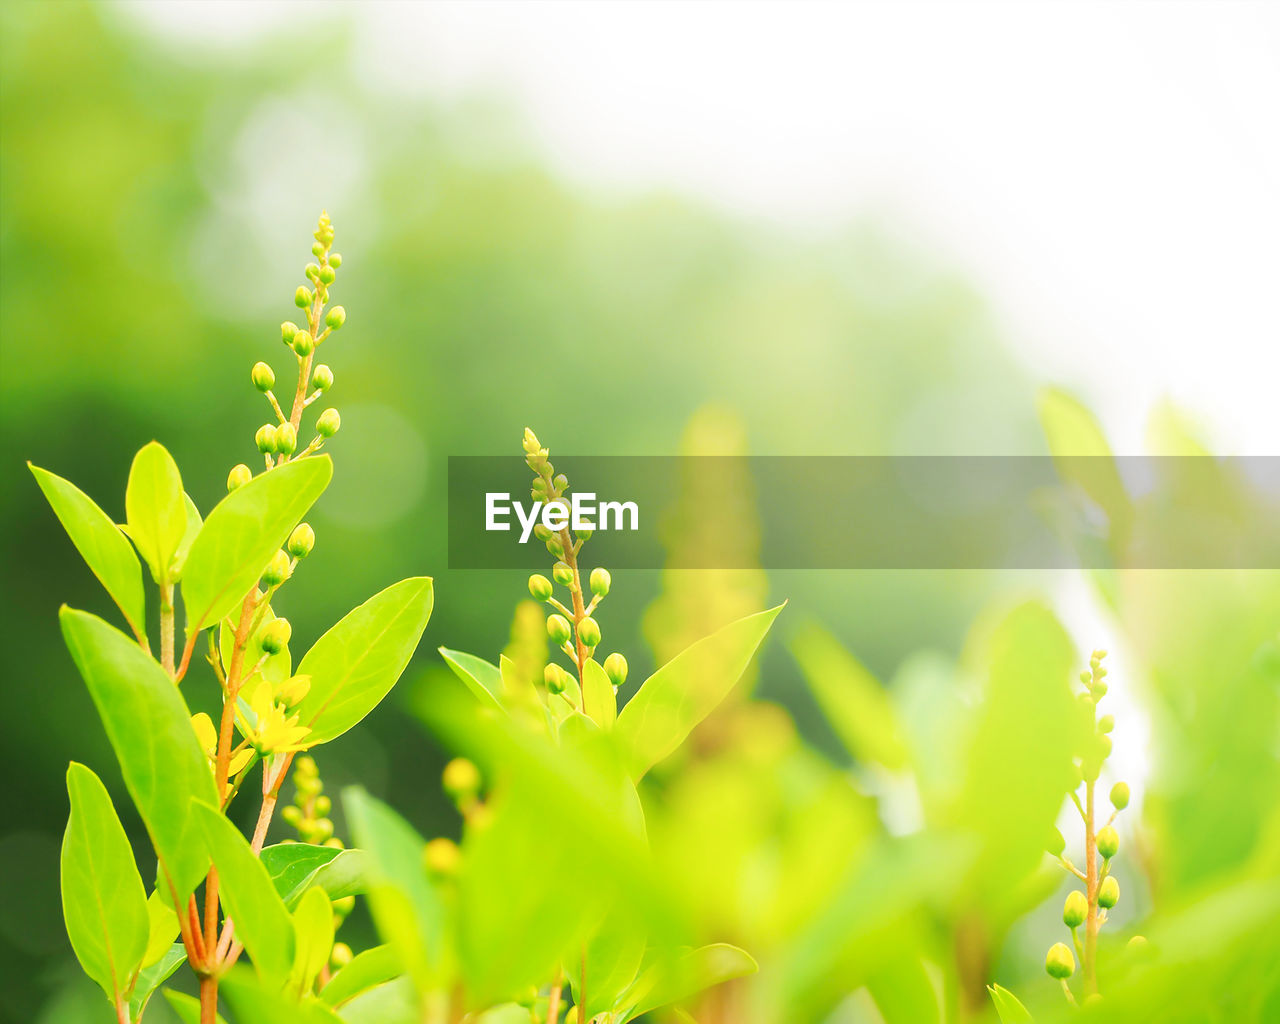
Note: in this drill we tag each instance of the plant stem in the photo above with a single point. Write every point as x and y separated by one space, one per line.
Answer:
553 1000
208 999
1091 887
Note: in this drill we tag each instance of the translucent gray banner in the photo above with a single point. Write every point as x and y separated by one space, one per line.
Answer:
923 512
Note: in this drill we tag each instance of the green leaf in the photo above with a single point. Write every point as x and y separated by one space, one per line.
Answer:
163 929
482 678
101 544
187 1007
599 699
853 701
103 900
1083 457
153 976
696 971
260 1001
262 922
194 524
614 953
346 875
371 968
407 910
243 533
149 726
685 690
155 508
312 939
355 664
1008 1006
393 1002
290 864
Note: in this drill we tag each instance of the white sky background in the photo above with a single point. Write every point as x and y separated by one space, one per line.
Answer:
1107 174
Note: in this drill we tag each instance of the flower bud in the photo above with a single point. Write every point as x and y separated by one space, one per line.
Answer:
290 693
1109 892
328 423
321 831
264 378
335 259
322 378
323 805
539 587
306 765
1060 962
302 297
553 677
1086 677
543 533
1120 796
1099 689
328 275
336 317
287 330
461 779
303 343
589 632
1106 723
238 477
1137 944
265 439
600 581
440 857
312 271
340 955
584 533
615 667
558 629
301 541
277 571
286 439
1104 747
276 635
560 483
562 574
1056 843
554 547
343 907
1108 842
292 815
1076 909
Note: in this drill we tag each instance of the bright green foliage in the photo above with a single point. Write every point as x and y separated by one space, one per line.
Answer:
149 725
373 967
153 976
262 922
241 534
1011 1011
156 509
103 901
482 679
684 691
100 542
312 939
354 665
600 703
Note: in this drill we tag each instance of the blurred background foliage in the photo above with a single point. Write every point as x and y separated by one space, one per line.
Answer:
155 206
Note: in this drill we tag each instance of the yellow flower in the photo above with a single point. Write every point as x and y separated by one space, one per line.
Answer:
207 737
267 725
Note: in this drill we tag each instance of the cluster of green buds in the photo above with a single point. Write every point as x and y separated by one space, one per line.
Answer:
1088 908
462 783
572 628
278 441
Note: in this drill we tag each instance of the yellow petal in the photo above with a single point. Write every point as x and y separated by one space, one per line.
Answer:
206 735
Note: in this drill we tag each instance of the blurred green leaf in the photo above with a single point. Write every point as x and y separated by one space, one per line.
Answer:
242 533
1083 457
101 544
407 910
685 690
903 991
368 969
355 664
614 953
149 726
187 1007
1009 1008
393 1002
261 920
155 509
600 702
103 900
258 1001
694 972
482 678
163 929
312 939
854 701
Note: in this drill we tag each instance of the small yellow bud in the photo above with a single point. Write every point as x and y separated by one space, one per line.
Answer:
589 632
265 439
312 271
1075 909
328 423
562 574
539 587
277 570
303 343
335 259
263 376
335 318
1109 892
1056 843
286 439
554 678
328 275
292 814
238 477
600 582
302 297
287 330
441 857
461 779
341 955
1060 962
558 629
1120 796
322 378
615 667
276 635
291 693
301 541
1108 842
